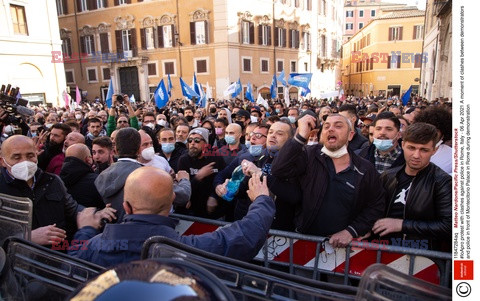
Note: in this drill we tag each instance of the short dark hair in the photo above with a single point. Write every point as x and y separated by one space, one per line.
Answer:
127 143
151 114
166 130
421 133
94 120
103 142
390 116
222 120
72 123
273 118
63 127
351 109
189 108
438 117
291 130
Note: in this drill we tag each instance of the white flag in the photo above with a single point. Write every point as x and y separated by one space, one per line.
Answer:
287 98
230 90
132 98
262 101
209 91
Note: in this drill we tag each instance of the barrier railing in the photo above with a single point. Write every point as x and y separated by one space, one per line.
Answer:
15 217
312 256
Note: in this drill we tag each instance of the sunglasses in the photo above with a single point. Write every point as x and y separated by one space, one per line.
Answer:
122 121
196 140
257 135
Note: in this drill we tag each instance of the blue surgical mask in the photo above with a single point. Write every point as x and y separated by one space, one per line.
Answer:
292 119
255 150
230 139
277 111
383 145
248 143
168 148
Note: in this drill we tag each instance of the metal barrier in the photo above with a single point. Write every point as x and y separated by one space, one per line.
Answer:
247 281
312 256
15 217
35 271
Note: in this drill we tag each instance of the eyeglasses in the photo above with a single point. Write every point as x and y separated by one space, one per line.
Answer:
257 135
196 140
122 121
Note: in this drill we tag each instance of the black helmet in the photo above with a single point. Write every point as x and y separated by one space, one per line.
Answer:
160 279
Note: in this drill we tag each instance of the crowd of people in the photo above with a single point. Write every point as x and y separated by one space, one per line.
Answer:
103 180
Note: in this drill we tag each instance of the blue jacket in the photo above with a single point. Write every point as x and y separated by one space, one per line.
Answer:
123 242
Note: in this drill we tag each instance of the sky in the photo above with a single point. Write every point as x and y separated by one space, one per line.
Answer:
419 3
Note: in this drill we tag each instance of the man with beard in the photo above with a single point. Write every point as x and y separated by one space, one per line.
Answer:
202 170
341 198
102 153
94 129
54 145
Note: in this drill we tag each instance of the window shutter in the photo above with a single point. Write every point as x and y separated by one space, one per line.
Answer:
143 38
118 41
297 34
160 36
252 33
414 32
116 3
79 5
133 41
105 3
371 64
400 33
284 34
82 45
104 42
92 4
399 60
174 42
388 61
290 38
193 38
65 7
260 34
129 2
275 36
206 32
269 35
390 33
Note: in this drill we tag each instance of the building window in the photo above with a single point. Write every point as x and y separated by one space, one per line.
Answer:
264 65
418 32
308 4
293 66
105 74
322 7
126 41
201 66
247 64
371 64
165 37
67 47
279 65
121 2
418 61
372 13
297 3
368 39
101 4
61 7
88 44
265 35
19 19
92 75
394 61
152 69
280 37
360 25
360 13
148 38
323 45
169 68
247 32
349 14
306 41
199 33
306 66
348 26
69 76
395 33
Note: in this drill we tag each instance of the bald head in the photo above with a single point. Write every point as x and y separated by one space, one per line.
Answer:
16 149
72 138
154 196
235 127
79 151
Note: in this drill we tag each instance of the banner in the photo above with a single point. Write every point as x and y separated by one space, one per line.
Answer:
161 95
301 80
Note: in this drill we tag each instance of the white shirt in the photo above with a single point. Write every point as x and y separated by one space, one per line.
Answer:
443 158
159 162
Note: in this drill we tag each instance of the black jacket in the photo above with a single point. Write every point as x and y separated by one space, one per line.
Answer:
79 178
309 166
52 204
428 208
357 141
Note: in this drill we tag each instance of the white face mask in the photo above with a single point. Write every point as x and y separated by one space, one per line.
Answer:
312 143
78 116
254 119
335 154
161 122
23 171
148 153
48 125
150 125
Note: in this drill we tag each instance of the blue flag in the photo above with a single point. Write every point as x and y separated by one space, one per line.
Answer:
301 80
108 99
249 94
406 96
281 78
305 92
187 91
238 89
161 95
195 84
273 87
170 86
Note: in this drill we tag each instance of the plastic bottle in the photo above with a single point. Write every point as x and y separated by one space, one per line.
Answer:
234 183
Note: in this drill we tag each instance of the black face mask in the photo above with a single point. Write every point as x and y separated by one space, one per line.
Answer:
213 110
189 118
99 167
324 117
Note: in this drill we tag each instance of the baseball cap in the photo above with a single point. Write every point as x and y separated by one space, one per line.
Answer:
243 113
200 131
